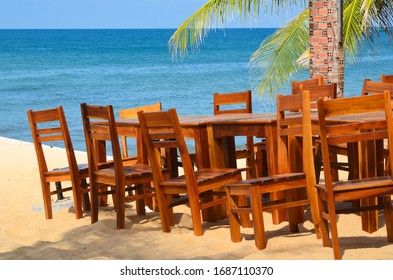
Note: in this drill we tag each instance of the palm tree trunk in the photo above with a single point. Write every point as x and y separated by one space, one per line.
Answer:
326 48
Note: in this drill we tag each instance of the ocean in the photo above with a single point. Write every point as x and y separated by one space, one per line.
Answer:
41 69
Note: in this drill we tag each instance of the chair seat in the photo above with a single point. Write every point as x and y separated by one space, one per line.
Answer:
132 171
269 179
63 171
366 183
81 167
202 176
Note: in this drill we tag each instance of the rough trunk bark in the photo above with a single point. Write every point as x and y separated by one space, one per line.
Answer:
326 50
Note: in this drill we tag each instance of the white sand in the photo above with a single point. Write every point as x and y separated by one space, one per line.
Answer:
26 234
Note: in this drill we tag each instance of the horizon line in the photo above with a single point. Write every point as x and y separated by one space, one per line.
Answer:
127 28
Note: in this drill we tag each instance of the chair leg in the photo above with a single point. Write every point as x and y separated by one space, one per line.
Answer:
324 223
244 217
47 200
94 202
292 213
77 195
234 222
166 214
169 200
334 231
140 203
120 206
315 214
85 199
196 215
388 210
257 217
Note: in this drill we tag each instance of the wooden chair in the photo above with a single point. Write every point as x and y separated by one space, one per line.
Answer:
375 87
131 113
294 178
387 78
372 183
161 130
316 81
50 126
100 130
240 102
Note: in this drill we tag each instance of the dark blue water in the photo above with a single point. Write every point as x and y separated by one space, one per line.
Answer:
42 69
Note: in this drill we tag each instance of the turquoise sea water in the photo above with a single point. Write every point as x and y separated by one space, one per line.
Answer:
42 69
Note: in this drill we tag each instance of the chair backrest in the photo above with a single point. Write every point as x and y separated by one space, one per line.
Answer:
363 129
294 134
131 113
375 87
100 129
387 78
50 126
161 132
232 103
323 91
316 81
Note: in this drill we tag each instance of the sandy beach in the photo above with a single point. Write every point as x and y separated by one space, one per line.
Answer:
25 234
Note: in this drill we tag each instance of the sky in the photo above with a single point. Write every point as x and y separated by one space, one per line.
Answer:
53 14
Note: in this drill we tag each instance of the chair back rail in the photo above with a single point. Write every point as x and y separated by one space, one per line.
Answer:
131 113
225 103
387 78
316 81
325 91
376 87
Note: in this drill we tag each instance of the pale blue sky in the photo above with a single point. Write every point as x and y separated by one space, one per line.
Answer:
114 14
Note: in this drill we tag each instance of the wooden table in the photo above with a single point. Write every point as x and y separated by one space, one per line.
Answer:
209 134
213 148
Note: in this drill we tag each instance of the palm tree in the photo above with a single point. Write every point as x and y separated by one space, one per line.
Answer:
284 52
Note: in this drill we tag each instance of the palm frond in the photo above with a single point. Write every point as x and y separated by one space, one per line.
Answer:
353 29
378 17
214 14
363 19
273 64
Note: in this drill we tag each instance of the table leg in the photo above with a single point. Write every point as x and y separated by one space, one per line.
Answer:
372 156
202 154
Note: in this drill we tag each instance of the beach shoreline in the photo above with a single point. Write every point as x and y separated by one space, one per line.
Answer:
29 236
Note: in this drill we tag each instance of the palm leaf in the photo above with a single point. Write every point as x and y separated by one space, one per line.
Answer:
214 14
274 62
353 29
362 21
